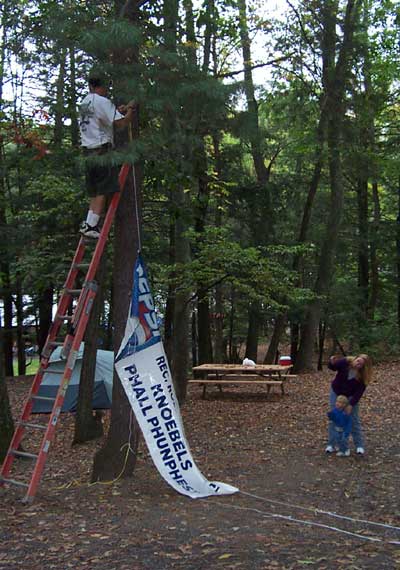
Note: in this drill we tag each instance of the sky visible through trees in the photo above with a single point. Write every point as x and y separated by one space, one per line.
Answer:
268 133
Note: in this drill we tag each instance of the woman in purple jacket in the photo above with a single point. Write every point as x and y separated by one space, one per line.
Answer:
352 377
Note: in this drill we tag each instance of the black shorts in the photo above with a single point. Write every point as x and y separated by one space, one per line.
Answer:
101 178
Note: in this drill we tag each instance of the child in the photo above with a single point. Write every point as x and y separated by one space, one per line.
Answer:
340 416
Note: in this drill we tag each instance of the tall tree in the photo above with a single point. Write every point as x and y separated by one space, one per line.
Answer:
118 455
336 79
6 421
258 155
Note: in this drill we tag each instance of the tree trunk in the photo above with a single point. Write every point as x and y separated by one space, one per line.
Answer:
231 326
321 343
181 327
118 455
308 329
20 329
195 357
73 114
219 345
59 104
373 300
257 153
200 176
209 17
203 329
88 425
305 223
170 31
294 340
335 87
253 331
6 353
280 324
117 458
363 254
45 309
170 304
6 420
8 320
398 259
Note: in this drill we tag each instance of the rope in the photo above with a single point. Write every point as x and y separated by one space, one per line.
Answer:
75 483
128 443
136 209
311 523
320 511
128 449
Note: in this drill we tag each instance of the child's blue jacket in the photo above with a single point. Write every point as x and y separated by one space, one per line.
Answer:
341 419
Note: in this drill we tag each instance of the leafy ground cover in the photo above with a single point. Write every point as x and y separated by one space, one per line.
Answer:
271 447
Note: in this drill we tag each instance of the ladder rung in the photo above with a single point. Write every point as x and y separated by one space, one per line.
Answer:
81 265
33 426
64 317
50 371
80 300
23 454
44 398
13 482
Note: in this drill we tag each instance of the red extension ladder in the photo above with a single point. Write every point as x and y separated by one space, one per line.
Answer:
71 343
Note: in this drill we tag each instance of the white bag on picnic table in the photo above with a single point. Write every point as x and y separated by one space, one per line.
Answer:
248 362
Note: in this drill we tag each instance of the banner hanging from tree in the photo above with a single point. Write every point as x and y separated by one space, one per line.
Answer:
143 369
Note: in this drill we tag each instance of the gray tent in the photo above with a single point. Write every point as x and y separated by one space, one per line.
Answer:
102 388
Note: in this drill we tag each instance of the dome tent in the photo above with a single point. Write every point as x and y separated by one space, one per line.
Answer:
102 392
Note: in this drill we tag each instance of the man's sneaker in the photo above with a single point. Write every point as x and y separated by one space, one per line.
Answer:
360 450
89 231
343 453
329 449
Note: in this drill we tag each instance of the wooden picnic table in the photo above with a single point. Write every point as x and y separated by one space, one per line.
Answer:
219 374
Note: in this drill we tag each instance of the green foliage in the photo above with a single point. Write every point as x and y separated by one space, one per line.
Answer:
196 139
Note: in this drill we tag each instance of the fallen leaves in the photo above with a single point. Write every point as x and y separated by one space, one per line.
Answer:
271 447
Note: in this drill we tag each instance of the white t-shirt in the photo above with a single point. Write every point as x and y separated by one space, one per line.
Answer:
97 115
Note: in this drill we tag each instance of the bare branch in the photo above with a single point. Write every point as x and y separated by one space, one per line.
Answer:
256 66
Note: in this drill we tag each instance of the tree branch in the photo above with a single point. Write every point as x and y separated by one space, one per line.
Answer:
131 5
256 66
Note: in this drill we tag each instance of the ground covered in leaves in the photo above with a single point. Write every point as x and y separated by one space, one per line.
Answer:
271 447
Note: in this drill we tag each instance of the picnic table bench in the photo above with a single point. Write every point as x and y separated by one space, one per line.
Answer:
269 375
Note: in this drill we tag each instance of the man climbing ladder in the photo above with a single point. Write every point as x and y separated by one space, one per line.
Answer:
28 473
102 181
98 116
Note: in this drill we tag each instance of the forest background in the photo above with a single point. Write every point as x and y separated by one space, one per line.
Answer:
269 210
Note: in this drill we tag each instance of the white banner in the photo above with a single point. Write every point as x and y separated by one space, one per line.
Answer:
143 368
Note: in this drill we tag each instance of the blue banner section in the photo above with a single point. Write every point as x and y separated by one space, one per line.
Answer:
142 321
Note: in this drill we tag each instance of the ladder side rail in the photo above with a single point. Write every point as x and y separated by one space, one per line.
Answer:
57 407
20 429
48 436
44 362
69 282
123 175
112 208
63 304
91 272
73 340
100 245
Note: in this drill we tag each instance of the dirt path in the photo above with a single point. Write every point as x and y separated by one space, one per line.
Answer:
269 447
